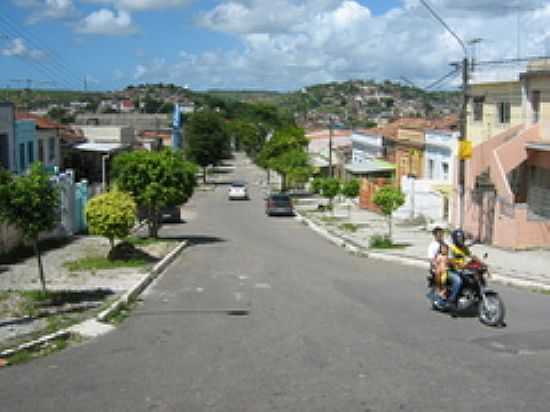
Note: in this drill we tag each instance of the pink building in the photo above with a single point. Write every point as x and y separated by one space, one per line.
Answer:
507 185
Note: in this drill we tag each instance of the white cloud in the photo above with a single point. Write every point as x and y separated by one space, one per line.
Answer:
287 43
48 9
141 5
106 22
18 48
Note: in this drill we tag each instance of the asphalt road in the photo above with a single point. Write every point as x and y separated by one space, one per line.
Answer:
322 331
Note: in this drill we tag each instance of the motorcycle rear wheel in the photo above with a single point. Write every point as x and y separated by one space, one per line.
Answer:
493 313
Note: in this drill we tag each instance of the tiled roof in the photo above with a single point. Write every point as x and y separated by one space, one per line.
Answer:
391 130
41 122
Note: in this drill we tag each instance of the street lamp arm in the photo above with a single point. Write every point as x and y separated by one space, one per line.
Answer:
438 18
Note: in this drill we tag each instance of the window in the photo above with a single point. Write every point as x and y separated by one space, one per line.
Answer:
445 168
478 108
51 150
503 110
41 151
535 104
21 157
30 152
430 168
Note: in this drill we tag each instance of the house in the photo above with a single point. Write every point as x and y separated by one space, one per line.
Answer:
431 196
48 150
318 149
126 106
507 179
26 147
7 136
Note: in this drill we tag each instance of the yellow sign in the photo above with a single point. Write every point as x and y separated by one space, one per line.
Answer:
465 150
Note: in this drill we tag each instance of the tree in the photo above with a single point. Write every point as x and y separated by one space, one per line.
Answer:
330 189
156 180
317 185
111 215
30 203
293 166
275 154
350 190
207 139
389 199
247 136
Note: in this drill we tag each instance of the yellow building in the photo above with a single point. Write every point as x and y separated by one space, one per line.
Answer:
499 104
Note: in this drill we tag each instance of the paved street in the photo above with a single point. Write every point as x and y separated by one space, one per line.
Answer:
322 331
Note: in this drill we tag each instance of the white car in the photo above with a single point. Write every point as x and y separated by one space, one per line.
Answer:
238 191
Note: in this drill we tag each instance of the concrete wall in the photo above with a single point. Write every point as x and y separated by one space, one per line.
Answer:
7 134
138 121
109 134
422 199
494 93
26 144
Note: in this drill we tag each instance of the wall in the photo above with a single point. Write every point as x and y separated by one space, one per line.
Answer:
481 131
542 85
107 134
7 146
25 137
367 191
138 121
421 199
50 159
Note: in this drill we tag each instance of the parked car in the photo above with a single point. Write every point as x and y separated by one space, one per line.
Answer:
279 204
238 191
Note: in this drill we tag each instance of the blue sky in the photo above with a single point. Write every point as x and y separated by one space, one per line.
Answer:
254 44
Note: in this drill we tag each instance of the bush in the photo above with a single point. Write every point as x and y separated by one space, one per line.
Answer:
317 185
111 215
380 242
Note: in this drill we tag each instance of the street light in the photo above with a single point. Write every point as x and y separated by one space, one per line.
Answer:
465 76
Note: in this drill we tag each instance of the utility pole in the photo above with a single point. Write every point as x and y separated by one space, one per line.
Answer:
463 114
331 129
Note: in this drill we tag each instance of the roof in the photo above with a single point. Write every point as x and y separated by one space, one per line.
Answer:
541 147
370 166
391 130
101 147
325 133
41 122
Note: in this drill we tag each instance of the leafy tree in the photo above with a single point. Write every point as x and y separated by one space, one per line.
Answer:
330 189
207 139
247 136
111 215
351 188
293 166
389 199
317 185
30 203
156 180
284 153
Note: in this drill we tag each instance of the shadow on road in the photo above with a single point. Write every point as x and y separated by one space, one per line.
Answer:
195 240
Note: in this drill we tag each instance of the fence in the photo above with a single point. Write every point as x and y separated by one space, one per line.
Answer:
73 197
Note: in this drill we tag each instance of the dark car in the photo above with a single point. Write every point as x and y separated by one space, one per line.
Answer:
279 204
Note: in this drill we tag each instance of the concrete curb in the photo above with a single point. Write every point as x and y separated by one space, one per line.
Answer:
130 295
140 285
363 252
64 333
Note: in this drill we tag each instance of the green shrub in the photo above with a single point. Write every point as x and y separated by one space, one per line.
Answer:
112 215
380 242
317 185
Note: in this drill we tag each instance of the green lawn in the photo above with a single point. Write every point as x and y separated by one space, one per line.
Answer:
100 263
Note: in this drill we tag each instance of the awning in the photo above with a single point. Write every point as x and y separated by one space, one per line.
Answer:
370 166
101 147
541 147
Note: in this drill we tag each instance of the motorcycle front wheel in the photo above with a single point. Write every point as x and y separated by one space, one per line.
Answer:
491 310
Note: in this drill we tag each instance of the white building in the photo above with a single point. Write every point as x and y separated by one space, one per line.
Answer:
430 197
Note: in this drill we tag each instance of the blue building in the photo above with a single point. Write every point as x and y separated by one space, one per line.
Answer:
26 145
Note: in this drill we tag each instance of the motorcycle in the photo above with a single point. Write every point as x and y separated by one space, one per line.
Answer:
474 295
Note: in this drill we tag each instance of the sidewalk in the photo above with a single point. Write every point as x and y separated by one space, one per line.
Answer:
522 268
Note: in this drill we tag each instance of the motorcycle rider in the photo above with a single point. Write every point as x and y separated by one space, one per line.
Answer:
459 255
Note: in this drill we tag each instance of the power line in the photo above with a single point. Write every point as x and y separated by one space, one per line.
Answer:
438 18
54 59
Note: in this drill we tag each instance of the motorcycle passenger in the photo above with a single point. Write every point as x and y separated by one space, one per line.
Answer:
458 259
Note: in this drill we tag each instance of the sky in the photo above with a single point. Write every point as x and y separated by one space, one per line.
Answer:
256 44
